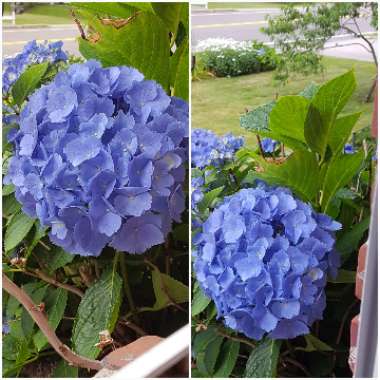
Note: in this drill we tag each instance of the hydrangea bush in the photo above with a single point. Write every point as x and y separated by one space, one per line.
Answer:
226 57
275 236
99 158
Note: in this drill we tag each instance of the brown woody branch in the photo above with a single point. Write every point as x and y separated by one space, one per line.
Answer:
42 322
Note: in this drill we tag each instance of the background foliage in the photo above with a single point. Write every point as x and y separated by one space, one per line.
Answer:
128 295
300 33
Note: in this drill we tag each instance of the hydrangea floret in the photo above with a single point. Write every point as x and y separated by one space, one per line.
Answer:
209 149
269 145
348 149
263 256
99 157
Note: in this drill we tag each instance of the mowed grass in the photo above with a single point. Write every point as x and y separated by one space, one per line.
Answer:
42 14
217 103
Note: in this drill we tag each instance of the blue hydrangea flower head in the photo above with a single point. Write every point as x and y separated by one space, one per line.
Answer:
268 145
263 257
210 149
99 158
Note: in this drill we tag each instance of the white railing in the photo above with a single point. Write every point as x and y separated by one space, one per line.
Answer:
159 358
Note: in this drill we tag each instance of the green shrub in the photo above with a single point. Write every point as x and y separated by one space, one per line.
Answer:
233 62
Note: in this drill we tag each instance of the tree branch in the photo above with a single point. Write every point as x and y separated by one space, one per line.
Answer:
44 277
364 38
42 322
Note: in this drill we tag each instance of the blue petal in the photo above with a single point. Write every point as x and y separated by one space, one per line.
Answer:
81 149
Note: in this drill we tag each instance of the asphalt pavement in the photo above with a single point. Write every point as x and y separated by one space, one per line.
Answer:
15 38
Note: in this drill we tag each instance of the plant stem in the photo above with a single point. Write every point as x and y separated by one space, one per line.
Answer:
236 339
298 365
127 288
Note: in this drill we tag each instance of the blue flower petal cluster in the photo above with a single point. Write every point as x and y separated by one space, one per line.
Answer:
31 54
99 157
348 149
263 257
268 145
209 149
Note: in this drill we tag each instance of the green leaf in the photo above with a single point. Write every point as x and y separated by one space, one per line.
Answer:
16 231
344 277
315 344
339 173
349 241
341 132
146 7
167 290
287 119
309 91
262 361
116 9
299 172
55 304
257 120
10 205
326 104
57 258
202 338
7 145
179 71
227 359
63 369
206 359
199 302
98 311
36 291
8 189
209 198
28 81
39 233
16 353
170 14
143 43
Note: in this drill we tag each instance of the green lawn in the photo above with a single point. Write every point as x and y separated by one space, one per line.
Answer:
217 103
44 14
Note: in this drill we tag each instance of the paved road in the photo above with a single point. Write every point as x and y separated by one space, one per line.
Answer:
243 25
15 39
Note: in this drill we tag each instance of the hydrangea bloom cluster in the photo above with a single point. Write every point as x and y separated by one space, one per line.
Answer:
210 149
268 145
263 257
32 53
99 157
